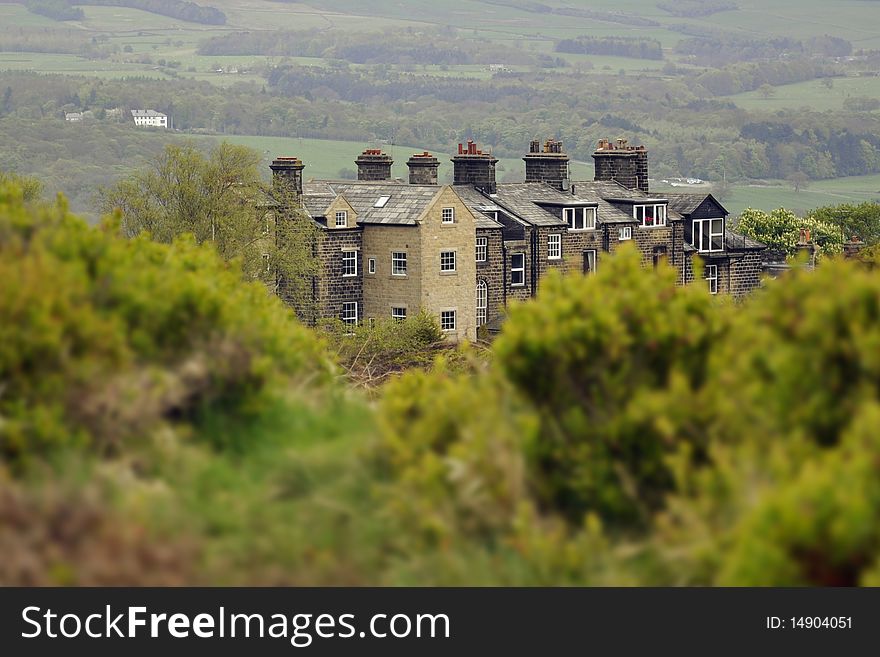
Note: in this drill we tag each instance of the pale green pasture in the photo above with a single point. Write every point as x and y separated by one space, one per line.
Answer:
812 94
324 158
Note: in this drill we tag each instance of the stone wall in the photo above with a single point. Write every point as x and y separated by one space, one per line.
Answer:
334 289
382 290
511 247
574 243
492 272
745 273
450 290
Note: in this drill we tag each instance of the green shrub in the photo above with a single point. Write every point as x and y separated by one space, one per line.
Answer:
611 364
100 336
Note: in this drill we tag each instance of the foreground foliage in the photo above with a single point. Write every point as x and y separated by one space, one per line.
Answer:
622 430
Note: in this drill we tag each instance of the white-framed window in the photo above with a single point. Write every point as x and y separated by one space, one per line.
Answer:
398 263
398 313
517 269
580 218
482 249
650 215
447 261
349 263
342 219
266 261
590 261
350 312
371 265
447 320
448 215
482 302
626 233
711 275
554 246
708 235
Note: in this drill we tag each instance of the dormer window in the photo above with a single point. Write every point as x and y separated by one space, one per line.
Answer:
341 219
650 216
580 218
708 235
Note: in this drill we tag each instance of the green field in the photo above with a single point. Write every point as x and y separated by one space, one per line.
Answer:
324 158
775 194
812 95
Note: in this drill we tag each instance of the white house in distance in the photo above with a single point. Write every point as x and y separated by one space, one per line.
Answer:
150 118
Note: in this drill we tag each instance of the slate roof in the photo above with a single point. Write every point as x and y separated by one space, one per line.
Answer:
479 203
316 205
685 203
405 202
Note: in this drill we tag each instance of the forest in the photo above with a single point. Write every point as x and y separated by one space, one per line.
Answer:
166 420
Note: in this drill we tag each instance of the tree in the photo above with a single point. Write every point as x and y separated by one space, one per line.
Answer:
861 221
215 197
799 180
766 91
781 231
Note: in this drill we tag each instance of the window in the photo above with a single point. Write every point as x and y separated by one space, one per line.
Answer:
712 278
518 269
447 320
590 261
447 261
709 235
398 263
381 201
580 218
482 302
650 215
482 249
350 312
448 215
266 260
371 265
349 263
554 247
398 313
342 219
626 233
659 255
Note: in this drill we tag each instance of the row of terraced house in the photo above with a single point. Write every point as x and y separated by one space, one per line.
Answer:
462 252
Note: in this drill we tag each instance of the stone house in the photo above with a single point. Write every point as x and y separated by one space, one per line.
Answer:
463 251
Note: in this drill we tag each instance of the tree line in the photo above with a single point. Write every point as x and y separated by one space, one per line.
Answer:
638 48
398 47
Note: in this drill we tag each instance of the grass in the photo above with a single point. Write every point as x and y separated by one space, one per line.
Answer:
324 158
775 194
811 94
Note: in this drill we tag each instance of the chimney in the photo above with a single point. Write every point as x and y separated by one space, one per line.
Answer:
548 164
287 177
618 161
474 167
373 164
423 169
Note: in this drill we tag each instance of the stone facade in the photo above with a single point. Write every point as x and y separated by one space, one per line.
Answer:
334 289
450 290
430 225
491 272
384 290
743 272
